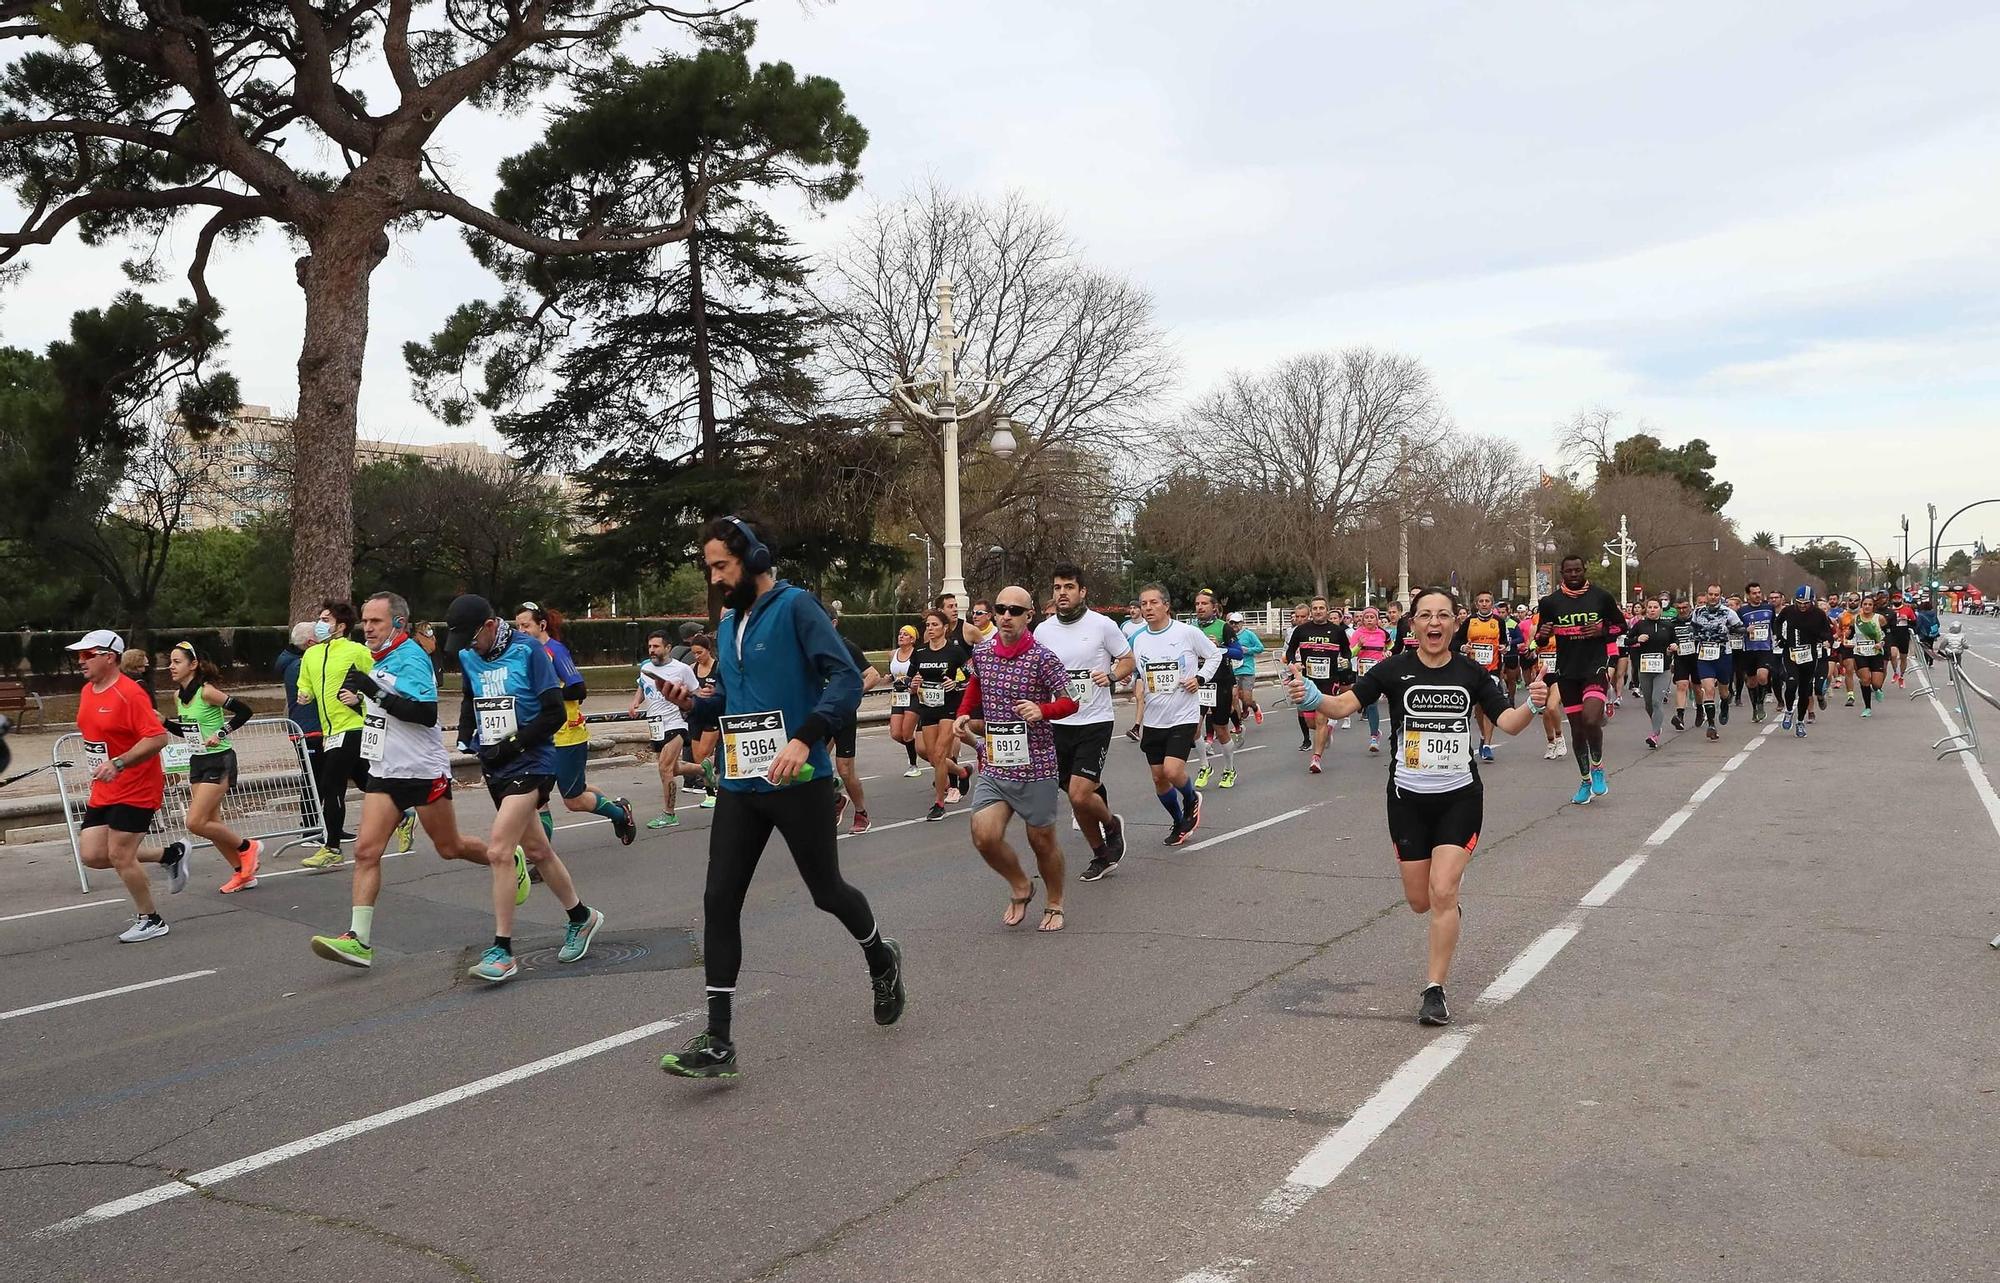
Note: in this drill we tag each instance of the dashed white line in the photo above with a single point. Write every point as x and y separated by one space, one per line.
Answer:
103 993
1233 834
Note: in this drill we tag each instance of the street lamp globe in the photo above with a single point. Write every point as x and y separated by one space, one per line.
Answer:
1003 439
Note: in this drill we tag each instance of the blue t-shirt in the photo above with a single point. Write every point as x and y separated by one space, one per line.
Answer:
1760 625
513 682
410 751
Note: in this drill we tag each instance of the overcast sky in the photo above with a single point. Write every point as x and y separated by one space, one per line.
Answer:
1769 225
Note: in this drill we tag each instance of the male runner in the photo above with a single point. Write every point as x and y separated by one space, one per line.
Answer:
1096 655
572 742
784 685
1581 618
1807 635
1681 617
1714 623
1218 692
1173 660
669 728
1482 638
1512 646
1756 662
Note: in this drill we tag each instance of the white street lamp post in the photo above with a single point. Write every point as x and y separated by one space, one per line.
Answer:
936 401
926 539
1627 553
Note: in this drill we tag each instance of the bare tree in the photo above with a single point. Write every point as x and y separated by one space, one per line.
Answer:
1587 440
1082 357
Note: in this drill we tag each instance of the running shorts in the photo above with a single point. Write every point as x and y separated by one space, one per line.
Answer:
1871 663
1033 800
1684 668
213 768
1571 690
1719 669
674 733
1224 708
1900 639
843 740
408 795
1753 662
1511 659
1419 823
572 762
119 817
1159 743
1081 750
1247 682
516 785
928 716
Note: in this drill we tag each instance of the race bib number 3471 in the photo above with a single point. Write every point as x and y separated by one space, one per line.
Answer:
751 743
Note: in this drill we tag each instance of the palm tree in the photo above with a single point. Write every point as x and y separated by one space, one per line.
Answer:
1765 539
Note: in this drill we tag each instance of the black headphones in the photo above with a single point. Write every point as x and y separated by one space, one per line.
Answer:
756 557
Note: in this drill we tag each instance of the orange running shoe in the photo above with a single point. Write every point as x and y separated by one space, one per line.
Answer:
245 876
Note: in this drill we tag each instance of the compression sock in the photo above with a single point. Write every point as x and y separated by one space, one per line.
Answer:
1579 748
606 807
877 953
361 921
1305 730
1867 695
1171 802
548 825
1229 754
1757 698
1708 710
1189 798
718 1012
910 747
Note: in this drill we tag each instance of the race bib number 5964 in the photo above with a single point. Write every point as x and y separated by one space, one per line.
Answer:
751 743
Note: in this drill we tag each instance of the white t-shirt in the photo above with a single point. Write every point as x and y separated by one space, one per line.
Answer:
1179 650
1091 644
660 710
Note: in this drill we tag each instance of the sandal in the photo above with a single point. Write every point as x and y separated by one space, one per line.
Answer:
1053 914
1017 909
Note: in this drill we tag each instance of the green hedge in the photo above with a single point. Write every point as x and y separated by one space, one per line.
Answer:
244 652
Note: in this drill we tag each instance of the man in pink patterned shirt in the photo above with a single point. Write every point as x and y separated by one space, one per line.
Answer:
1015 687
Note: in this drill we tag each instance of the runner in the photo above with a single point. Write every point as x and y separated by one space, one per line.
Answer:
1371 646
1436 800
572 742
199 708
1926 624
1651 646
408 769
513 706
302 715
1738 676
1135 623
1218 693
937 676
1713 625
669 728
1246 671
1512 646
1685 678
1544 663
847 776
1173 661
1016 687
1482 638
1398 625
122 739
1321 649
1807 636
1096 655
701 658
787 684
1900 618
1756 662
1841 666
1301 614
321 674
1869 638
902 714
1581 618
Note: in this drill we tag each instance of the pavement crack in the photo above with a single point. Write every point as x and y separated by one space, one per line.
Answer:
402 1242
835 1236
203 1126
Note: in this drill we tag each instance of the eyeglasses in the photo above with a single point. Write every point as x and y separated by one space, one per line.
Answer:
83 655
1010 610
976 613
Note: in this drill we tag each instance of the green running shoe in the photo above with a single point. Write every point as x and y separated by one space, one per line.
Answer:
406 833
1229 779
345 948
1201 778
323 859
494 966
664 821
576 940
521 882
705 1056
708 802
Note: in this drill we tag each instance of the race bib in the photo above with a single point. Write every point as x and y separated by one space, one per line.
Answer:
1162 676
175 756
1319 667
901 699
335 741
94 751
1436 750
1652 662
658 726
1801 654
374 735
1080 686
1362 665
1760 632
496 718
1007 743
1549 662
751 743
933 696
1866 648
1482 654
1206 695
1735 644
1708 652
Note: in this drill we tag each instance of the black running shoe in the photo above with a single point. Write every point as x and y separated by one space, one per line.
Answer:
705 1056
889 994
1680 723
1194 816
935 813
1724 712
1433 1010
1176 835
623 824
1099 866
1714 734
1114 841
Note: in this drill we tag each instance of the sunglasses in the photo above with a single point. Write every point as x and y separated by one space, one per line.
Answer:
1012 610
977 613
83 655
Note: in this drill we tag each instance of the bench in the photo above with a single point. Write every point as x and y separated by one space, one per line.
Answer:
15 697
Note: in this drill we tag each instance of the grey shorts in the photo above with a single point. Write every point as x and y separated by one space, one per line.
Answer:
1033 800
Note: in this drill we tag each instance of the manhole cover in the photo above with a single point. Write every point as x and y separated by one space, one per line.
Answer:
603 955
630 951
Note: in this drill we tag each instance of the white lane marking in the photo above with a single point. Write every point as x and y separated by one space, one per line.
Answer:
1980 784
104 993
347 1131
1339 1148
1280 818
67 908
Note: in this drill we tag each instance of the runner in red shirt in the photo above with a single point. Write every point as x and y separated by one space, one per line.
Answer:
122 739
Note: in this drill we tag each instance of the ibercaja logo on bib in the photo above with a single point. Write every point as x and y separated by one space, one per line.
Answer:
1437 701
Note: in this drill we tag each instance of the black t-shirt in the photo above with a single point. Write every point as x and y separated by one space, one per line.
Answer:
1650 637
1434 701
941 667
1320 647
1583 624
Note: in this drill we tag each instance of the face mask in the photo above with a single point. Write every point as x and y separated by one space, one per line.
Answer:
503 633
322 630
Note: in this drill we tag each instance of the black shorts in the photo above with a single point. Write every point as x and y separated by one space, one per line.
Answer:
1751 662
677 733
1900 639
1571 690
928 716
213 768
1842 654
1684 668
410 794
1871 663
843 740
1511 660
119 817
1224 709
515 785
1081 750
1159 743
1419 823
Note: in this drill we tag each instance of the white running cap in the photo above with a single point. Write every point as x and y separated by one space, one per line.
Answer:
99 639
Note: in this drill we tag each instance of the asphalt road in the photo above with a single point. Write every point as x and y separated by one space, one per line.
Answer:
1728 1022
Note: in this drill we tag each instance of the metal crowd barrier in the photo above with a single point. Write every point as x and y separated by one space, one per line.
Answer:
1951 650
274 798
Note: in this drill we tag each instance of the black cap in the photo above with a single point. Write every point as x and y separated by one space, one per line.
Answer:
462 619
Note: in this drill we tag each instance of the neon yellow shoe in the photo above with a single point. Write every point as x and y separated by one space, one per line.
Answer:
323 859
406 833
521 883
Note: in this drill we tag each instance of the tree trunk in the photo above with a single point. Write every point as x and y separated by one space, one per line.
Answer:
704 394
335 277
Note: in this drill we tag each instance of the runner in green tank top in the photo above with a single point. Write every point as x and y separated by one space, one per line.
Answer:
203 718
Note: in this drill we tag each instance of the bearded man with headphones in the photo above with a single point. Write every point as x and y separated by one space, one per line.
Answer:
784 683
